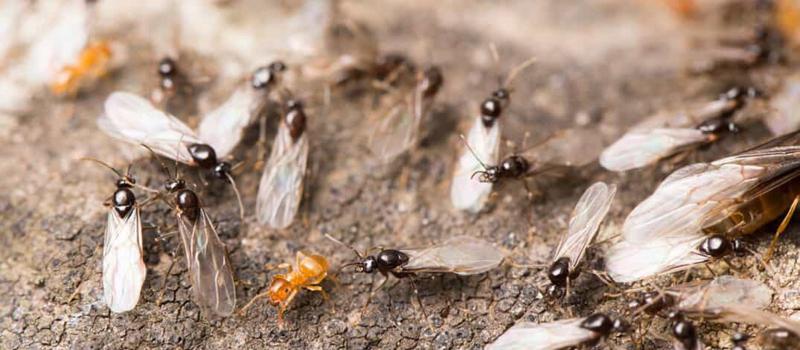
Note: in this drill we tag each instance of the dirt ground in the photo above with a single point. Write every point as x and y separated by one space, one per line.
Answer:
600 64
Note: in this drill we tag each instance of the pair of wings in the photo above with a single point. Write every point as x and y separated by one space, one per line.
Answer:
461 255
210 270
400 125
467 193
661 136
124 270
281 188
135 120
544 336
662 233
590 211
709 299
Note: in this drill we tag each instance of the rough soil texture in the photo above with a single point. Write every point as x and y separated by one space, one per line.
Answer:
606 63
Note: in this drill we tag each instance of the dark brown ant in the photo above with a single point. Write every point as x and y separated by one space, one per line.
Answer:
267 76
603 325
739 339
684 331
718 246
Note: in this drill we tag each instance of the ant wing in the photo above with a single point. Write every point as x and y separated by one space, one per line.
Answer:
706 300
399 128
783 119
222 128
639 148
209 268
467 193
570 147
750 315
133 119
281 187
460 255
628 262
685 200
544 336
60 45
586 218
123 266
687 118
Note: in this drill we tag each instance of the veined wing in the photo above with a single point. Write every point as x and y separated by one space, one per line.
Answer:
570 147
784 119
640 148
133 119
123 266
210 271
681 205
707 300
586 218
222 128
544 336
750 315
687 118
281 187
467 193
398 130
628 261
460 255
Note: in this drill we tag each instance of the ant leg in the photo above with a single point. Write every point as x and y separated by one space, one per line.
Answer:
419 299
243 310
372 291
781 229
166 276
261 144
325 296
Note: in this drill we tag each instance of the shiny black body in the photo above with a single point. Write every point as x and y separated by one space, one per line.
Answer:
168 71
386 261
205 157
559 272
685 333
295 119
602 325
267 76
492 107
717 246
432 81
123 199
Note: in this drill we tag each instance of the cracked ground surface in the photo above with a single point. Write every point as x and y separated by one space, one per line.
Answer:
609 63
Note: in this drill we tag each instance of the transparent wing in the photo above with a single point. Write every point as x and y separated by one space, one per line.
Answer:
210 271
688 118
586 218
750 315
460 255
123 266
630 262
133 119
222 128
61 42
706 300
398 130
570 147
467 193
640 148
783 118
683 203
545 336
281 187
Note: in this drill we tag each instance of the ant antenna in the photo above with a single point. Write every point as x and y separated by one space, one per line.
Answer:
472 151
518 69
238 197
103 164
493 51
160 162
360 256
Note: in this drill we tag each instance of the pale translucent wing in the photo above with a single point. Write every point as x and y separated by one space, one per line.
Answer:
133 119
640 148
467 193
460 255
687 118
722 292
683 204
749 315
61 43
571 147
281 187
784 117
397 132
630 262
590 211
210 271
222 128
545 336
11 14
123 266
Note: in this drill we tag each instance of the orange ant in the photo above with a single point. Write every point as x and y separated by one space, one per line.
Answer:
308 273
92 63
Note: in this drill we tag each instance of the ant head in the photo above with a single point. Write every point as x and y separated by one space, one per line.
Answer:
559 272
221 171
279 290
490 175
174 185
266 76
501 94
167 67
